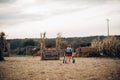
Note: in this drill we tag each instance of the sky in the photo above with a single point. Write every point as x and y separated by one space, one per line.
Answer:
71 18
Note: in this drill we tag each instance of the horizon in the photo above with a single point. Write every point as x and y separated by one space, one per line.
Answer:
66 37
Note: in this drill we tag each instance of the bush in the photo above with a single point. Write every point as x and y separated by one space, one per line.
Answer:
109 46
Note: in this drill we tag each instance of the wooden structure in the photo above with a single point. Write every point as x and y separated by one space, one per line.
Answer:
50 53
86 51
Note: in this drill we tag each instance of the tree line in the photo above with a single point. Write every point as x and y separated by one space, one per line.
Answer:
20 45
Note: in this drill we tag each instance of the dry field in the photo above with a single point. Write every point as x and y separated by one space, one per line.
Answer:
29 68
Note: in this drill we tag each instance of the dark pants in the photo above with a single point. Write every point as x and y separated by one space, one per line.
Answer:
1 56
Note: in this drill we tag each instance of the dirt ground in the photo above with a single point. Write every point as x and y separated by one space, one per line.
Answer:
29 68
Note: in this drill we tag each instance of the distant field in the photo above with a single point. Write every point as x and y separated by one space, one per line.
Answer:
29 68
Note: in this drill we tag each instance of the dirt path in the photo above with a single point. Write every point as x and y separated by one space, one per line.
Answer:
29 68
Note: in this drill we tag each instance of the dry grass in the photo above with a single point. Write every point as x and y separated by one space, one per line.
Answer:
29 68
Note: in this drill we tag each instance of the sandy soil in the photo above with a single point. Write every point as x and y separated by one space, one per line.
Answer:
29 68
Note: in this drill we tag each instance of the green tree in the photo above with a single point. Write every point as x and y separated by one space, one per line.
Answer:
28 42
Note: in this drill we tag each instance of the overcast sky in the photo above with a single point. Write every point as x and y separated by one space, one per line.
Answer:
71 18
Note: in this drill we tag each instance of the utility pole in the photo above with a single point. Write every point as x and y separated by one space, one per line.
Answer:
108 26
108 36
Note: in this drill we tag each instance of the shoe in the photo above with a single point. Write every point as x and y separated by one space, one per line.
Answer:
73 61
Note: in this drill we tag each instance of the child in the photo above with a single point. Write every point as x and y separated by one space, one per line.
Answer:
68 55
